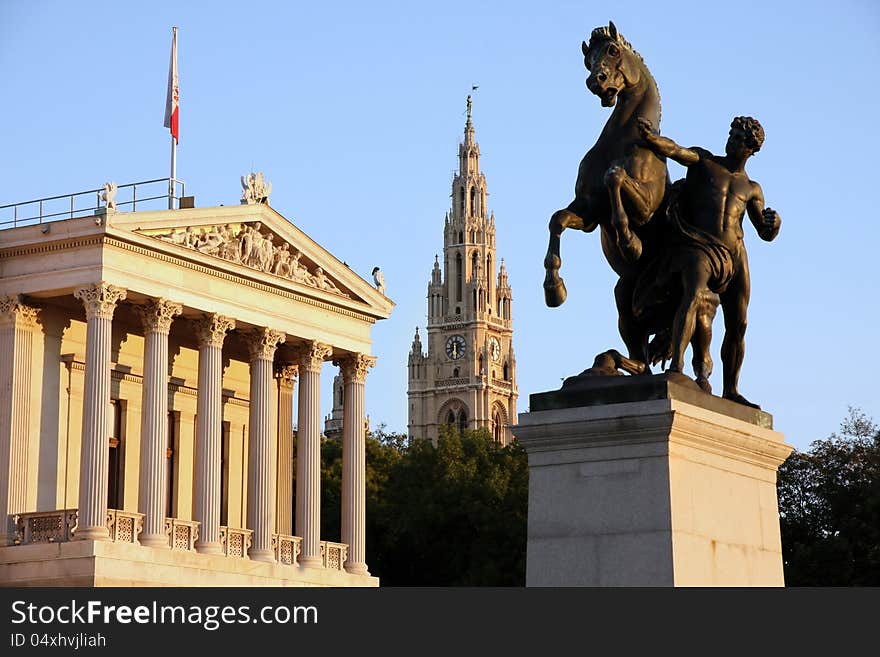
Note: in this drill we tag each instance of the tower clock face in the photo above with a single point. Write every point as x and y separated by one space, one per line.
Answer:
455 347
494 348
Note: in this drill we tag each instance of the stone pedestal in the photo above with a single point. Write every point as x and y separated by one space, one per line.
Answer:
648 481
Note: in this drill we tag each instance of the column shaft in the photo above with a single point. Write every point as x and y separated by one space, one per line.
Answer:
308 455
354 512
210 332
261 445
17 323
284 488
100 301
152 500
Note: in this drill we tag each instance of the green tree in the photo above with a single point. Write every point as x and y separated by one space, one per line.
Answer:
383 451
456 514
829 507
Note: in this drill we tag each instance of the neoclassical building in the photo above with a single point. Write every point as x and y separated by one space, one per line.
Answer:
467 378
148 362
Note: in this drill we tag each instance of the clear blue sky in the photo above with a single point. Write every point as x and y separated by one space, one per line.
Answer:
354 111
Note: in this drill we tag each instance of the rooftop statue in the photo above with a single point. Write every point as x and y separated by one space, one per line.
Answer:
678 249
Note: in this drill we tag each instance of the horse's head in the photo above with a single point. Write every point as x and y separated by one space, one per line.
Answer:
612 62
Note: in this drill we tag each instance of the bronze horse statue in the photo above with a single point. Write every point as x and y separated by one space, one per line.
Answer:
620 186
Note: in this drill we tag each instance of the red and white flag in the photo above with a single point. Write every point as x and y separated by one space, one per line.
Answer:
172 109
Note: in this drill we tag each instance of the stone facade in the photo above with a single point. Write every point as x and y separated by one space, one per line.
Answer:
146 406
467 378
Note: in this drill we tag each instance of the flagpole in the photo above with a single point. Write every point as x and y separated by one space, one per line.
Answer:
173 173
170 118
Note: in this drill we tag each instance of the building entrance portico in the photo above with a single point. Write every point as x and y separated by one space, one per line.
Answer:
192 329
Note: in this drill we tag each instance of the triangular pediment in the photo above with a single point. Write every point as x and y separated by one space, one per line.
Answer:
260 240
250 244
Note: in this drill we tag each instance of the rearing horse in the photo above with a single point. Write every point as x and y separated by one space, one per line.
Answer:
620 183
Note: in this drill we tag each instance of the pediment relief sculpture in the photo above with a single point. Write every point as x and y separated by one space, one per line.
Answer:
246 244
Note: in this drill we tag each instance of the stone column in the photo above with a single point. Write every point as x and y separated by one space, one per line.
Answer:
354 464
17 323
308 453
285 376
157 316
261 444
100 300
210 333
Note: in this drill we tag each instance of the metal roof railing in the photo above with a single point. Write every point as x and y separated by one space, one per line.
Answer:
143 194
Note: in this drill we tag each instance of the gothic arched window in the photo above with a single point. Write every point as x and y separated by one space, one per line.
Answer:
450 418
473 200
489 275
458 277
462 420
506 372
461 199
497 427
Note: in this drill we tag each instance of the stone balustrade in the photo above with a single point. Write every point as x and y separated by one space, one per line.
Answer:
501 383
124 526
333 555
45 526
287 549
235 541
456 381
182 534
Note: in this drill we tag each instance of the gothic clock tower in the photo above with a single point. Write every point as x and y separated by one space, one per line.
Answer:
467 378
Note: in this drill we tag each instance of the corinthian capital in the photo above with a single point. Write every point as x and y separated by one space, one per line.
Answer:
311 356
100 299
157 315
286 372
262 343
14 312
354 367
211 329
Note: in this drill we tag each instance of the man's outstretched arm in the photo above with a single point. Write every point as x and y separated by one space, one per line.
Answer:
665 146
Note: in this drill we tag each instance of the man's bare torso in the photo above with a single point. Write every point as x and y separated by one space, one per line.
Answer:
716 198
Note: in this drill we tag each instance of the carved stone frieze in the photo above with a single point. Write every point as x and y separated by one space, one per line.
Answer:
100 299
157 315
211 330
247 245
354 367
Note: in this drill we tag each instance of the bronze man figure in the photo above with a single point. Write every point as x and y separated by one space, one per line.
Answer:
706 254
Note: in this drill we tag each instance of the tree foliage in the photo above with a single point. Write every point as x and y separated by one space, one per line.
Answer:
829 505
451 515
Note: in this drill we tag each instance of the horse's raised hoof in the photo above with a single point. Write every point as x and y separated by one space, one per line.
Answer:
555 293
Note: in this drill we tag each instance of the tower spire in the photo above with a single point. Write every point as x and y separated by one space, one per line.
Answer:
469 126
467 377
